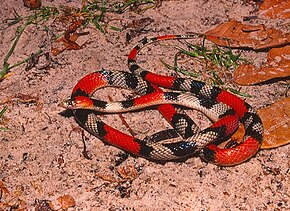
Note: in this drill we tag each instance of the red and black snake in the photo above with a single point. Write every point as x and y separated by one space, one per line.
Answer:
224 108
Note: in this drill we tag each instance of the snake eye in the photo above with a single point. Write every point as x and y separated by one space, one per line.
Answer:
69 104
73 103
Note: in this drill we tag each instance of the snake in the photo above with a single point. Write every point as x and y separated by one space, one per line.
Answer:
225 109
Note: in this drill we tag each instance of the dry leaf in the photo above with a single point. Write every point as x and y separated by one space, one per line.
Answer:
32 4
236 34
9 200
137 27
276 125
277 66
239 134
275 9
68 41
3 190
127 172
63 202
66 201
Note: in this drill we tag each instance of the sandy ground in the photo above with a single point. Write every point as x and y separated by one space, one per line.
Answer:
41 156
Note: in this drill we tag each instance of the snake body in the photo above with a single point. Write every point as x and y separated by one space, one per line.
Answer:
225 109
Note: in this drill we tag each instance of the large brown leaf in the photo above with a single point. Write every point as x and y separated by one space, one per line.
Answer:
276 125
236 34
275 9
277 66
276 121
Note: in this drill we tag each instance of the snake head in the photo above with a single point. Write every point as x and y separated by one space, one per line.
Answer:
68 104
79 102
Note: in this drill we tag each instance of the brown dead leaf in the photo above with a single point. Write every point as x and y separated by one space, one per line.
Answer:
236 34
63 202
275 9
107 178
3 190
32 4
66 201
68 41
23 98
137 27
277 124
239 134
127 172
277 66
10 200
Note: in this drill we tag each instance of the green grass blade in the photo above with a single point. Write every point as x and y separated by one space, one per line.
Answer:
1 116
3 111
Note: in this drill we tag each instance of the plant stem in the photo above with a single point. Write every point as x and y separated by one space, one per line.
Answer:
6 67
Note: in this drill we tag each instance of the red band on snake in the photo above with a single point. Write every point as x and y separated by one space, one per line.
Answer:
224 108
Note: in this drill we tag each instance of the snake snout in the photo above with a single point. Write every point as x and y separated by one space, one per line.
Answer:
68 104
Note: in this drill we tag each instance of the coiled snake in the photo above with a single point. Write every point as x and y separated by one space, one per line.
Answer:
225 109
